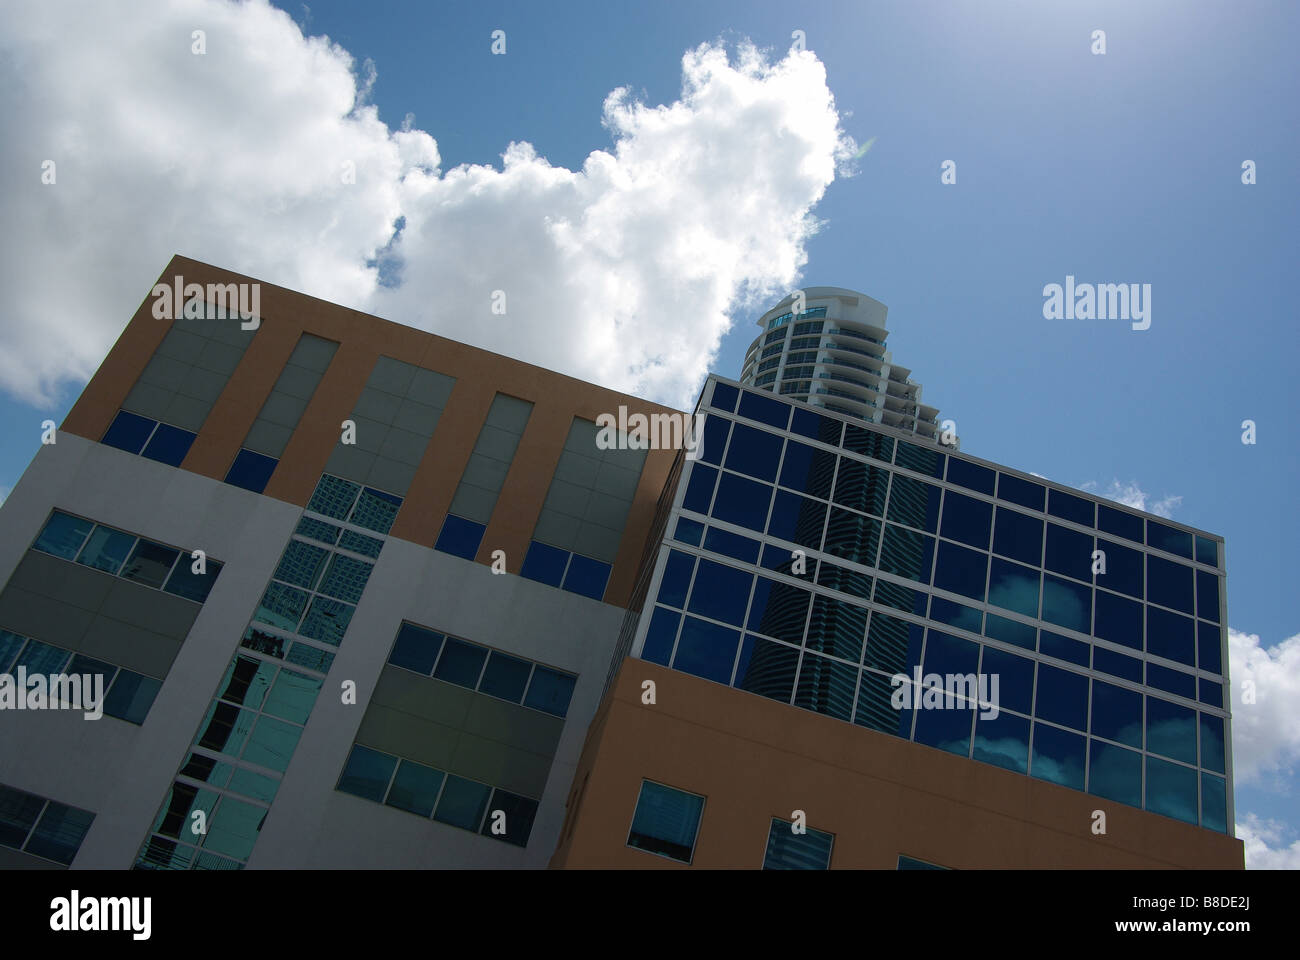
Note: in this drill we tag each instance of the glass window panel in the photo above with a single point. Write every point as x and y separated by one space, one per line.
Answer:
281 606
911 863
1119 522
461 663
62 535
169 445
767 668
755 453
1002 741
313 658
106 549
1115 773
699 488
367 772
415 788
1171 730
787 850
1118 620
253 785
271 743
1064 648
376 510
505 677
1062 697
948 728
945 654
1123 569
919 459
360 543
345 578
1214 803
779 610
462 803
318 530
876 710
1169 584
586 577
1169 539
460 537
225 728
185 583
826 686
233 828
967 520
956 615
42 658
550 691
1212 752
903 552
301 564
1116 664
1009 631
416 649
1069 552
742 502
688 531
714 440
1015 681
327 620
131 696
854 537
970 475
129 432
1171 681
808 469
1207 596
666 821
519 812
898 597
1024 492
816 427
59 833
868 443
836 627
730 544
1019 536
246 682
724 396
797 519
893 644
334 497
676 578
660 636
1067 604
544 563
720 592
861 486
764 409
1059 756
1207 551
251 470
1116 713
1211 692
149 563
292 697
914 502
844 579
82 665
10 644
1171 636
960 570
1069 507
706 650
18 813
1210 647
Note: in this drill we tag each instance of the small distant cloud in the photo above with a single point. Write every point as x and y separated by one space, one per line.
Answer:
1132 495
1266 844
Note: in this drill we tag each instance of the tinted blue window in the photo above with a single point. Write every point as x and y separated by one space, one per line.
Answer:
787 850
868 443
1123 569
376 510
1069 552
1171 730
586 577
1059 756
367 773
837 628
169 445
10 644
844 580
460 537
676 579
62 535
714 442
301 564
961 571
1118 620
1210 647
1214 803
327 620
1169 539
970 475
1009 631
660 636
955 615
1116 664
1207 551
967 520
1120 523
1212 752
779 610
861 486
767 668
184 582
1019 536
1115 773
1013 587
816 427
251 470
876 712
318 530
128 432
904 552
826 686
1002 741
1171 636
754 452
1116 713
505 677
699 489
282 606
106 549
550 691
59 832
1171 681
1024 492
725 396
764 409
893 645
947 729
666 821
462 803
797 519
808 469
900 597
460 663
720 592
1069 507
1064 648
131 696
415 788
345 578
1067 604
416 649
520 812
688 531
1207 596
333 497
1062 697
544 563
919 459
945 653
1015 680
1171 790
914 503
149 563
1169 584
1211 692
742 502
731 544
855 537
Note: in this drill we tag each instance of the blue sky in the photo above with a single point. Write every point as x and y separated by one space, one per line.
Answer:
1124 167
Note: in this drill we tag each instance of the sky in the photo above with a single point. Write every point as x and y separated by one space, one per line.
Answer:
642 181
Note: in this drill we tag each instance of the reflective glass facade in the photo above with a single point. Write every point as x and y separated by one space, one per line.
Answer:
809 559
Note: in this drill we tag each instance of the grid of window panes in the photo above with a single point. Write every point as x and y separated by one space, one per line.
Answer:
431 793
252 726
126 695
41 827
812 559
789 848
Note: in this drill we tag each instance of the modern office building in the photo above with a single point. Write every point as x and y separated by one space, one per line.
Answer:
832 355
798 681
362 596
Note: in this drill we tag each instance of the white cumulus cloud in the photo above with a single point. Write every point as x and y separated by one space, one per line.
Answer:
1265 732
623 271
1267 846
1132 495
